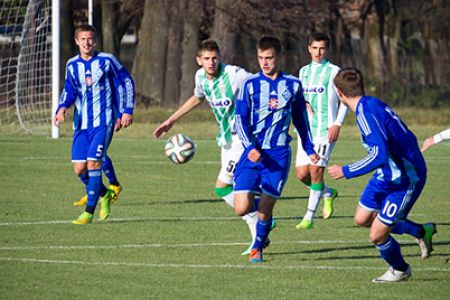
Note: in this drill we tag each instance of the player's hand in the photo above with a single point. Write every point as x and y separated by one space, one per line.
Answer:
254 155
427 144
118 125
333 133
335 171
60 117
127 120
162 129
314 158
309 107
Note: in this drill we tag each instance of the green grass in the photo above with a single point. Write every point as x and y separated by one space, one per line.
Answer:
169 237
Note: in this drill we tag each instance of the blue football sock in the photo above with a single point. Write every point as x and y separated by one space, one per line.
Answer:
95 187
390 252
108 169
262 232
255 204
84 178
407 227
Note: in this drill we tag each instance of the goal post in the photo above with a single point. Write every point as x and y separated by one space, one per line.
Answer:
29 62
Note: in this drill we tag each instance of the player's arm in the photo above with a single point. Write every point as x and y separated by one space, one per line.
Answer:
67 98
335 129
376 144
243 125
184 109
437 138
300 120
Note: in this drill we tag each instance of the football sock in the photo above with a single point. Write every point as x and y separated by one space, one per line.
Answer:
226 193
251 219
314 197
84 178
390 252
408 227
95 187
262 232
108 169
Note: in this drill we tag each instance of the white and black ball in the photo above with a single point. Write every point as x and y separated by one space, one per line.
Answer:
180 148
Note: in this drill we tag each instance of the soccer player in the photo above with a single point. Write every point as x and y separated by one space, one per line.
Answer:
325 120
101 89
398 180
264 109
436 139
219 84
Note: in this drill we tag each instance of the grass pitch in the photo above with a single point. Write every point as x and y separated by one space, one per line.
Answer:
169 237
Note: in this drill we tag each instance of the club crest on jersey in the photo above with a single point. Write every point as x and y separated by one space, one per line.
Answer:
273 103
89 81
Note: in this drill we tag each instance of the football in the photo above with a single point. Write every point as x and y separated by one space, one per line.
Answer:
180 148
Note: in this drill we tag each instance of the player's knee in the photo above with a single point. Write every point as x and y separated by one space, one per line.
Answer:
377 238
241 210
302 175
361 221
79 169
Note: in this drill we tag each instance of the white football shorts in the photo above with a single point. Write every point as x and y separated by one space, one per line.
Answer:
322 148
230 155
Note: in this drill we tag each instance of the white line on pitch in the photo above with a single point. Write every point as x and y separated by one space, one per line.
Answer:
205 266
157 245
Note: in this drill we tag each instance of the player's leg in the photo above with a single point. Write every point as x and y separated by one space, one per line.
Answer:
390 251
274 173
230 155
422 232
110 173
315 193
80 145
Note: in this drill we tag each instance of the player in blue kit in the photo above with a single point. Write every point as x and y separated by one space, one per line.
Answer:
264 108
103 92
399 177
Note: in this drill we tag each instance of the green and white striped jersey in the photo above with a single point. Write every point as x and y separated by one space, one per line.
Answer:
320 92
220 93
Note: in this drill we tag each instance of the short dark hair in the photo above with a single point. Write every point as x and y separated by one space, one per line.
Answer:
319 36
350 81
84 27
270 42
208 45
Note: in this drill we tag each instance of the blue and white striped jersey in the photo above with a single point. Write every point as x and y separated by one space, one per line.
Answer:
101 89
264 109
392 148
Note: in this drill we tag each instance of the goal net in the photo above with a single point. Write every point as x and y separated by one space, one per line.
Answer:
25 66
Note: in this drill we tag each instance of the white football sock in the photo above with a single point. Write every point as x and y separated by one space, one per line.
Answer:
251 219
229 199
313 202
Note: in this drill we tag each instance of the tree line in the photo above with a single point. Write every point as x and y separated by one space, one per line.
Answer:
402 46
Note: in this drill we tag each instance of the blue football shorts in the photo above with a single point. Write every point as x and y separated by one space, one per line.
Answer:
392 203
91 144
269 175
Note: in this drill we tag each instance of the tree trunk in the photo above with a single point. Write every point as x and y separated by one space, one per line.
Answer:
150 59
173 66
111 36
224 32
191 28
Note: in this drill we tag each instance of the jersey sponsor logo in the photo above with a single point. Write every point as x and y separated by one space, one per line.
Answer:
314 89
220 103
273 104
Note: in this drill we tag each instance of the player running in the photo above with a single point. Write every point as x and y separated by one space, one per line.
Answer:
325 119
103 92
399 177
264 108
219 84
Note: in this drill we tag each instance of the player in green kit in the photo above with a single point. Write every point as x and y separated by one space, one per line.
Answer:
219 84
325 120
